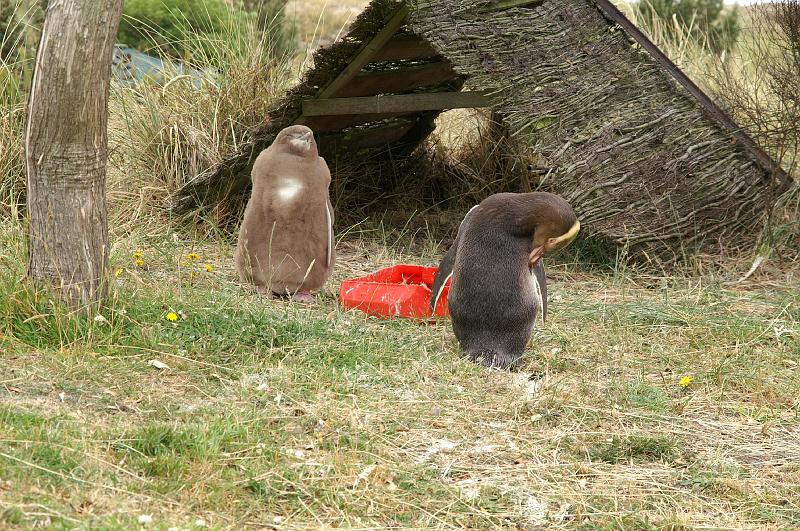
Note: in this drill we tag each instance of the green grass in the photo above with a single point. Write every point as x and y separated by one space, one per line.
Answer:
619 450
273 413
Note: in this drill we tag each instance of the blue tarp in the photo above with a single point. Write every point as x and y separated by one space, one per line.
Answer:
130 66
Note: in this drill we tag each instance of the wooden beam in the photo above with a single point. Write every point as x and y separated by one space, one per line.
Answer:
436 101
364 56
759 155
364 138
327 124
397 80
405 48
366 53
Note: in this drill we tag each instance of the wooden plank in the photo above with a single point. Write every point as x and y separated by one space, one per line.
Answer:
364 56
405 48
364 138
759 155
366 53
326 124
436 101
396 80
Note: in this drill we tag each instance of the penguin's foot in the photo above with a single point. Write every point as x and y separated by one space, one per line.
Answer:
303 296
299 296
264 291
495 360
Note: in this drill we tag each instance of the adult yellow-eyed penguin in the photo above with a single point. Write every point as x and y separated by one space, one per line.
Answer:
285 242
498 281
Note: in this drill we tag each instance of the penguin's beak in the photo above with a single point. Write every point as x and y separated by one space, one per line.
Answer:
535 255
302 141
553 244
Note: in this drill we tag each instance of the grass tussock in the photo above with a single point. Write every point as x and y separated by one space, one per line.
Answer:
163 134
12 154
689 49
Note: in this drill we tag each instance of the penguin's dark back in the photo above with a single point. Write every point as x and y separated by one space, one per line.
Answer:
518 214
491 274
491 301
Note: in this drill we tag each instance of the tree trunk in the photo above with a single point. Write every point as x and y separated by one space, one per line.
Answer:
66 148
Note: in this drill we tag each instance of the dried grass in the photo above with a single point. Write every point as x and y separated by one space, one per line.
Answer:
12 154
320 22
164 134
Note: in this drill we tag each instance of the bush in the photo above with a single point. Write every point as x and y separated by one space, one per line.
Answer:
170 26
10 23
704 21
162 24
269 13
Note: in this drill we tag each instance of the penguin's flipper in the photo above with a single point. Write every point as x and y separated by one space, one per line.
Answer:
445 270
329 219
541 278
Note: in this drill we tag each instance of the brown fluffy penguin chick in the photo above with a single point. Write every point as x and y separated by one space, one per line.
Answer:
285 242
498 282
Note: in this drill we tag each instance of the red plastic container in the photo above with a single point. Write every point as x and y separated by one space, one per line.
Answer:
397 291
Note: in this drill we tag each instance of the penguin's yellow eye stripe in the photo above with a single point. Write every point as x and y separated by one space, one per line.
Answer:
568 237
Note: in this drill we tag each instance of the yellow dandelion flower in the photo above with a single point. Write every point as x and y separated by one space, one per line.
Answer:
685 381
137 255
139 262
193 257
208 267
118 272
172 317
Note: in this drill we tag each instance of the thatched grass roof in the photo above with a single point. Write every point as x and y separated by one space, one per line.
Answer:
645 158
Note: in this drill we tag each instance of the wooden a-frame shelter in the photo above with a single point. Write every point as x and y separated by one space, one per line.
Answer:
647 159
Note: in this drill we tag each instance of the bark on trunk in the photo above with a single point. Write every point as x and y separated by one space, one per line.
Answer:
66 148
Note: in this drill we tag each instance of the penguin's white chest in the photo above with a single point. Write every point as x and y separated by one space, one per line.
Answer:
537 294
288 189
